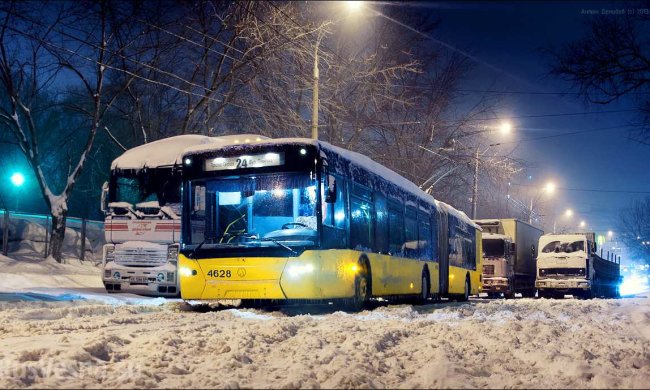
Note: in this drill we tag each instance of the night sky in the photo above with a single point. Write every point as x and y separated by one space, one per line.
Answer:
511 37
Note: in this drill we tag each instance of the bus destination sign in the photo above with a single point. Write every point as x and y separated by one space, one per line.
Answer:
245 161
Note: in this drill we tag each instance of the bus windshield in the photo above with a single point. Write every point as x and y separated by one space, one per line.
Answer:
268 210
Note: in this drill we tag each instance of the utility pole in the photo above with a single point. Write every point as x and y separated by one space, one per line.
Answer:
475 190
314 107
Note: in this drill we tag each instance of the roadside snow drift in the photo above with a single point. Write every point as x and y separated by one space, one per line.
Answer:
520 343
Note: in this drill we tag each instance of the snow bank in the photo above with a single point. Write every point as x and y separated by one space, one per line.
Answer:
517 343
30 273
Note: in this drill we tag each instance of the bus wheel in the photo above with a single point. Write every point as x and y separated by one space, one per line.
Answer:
465 295
361 292
426 287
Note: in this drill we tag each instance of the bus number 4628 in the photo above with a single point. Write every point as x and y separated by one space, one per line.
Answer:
219 273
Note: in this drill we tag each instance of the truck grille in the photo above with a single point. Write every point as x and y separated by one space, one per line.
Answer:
488 269
140 257
562 272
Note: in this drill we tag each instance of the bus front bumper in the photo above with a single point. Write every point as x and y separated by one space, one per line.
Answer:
303 277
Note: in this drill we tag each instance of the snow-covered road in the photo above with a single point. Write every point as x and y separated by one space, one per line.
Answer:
516 343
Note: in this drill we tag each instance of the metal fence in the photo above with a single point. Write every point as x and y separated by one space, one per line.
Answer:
26 232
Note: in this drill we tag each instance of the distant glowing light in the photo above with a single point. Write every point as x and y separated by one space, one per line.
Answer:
505 128
278 193
568 213
247 140
339 216
583 224
610 233
17 179
634 284
188 161
354 6
549 187
303 151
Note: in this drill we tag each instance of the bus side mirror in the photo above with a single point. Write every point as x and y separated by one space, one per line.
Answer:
330 196
104 199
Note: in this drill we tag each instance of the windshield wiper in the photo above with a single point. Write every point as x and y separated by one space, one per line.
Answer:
196 249
273 240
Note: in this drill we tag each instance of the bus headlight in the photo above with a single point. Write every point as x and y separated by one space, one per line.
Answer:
296 271
184 271
160 277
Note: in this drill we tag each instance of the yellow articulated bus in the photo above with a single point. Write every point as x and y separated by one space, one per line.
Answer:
301 220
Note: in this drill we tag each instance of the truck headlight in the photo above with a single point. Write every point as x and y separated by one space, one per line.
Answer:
172 253
110 254
160 277
116 275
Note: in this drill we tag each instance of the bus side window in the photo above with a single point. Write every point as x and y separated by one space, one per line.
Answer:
334 217
395 230
362 234
411 234
424 237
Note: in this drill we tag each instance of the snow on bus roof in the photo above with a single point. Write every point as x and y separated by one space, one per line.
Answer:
355 158
169 151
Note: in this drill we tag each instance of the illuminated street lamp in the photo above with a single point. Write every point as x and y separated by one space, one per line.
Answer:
17 179
548 189
354 6
568 213
583 224
505 128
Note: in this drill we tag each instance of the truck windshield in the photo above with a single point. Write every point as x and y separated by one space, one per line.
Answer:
270 210
565 247
154 185
493 248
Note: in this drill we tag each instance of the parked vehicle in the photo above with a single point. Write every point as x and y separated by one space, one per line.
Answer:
569 264
142 206
509 250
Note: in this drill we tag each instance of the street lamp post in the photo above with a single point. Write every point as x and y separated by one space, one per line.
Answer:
549 188
353 6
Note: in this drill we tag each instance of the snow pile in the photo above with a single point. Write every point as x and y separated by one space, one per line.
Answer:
524 343
31 273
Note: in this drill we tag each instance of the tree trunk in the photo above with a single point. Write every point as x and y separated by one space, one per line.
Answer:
58 235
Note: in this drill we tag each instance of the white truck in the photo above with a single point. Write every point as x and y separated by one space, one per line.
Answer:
568 264
509 249
142 206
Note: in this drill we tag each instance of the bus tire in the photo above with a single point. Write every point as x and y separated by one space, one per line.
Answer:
361 291
468 290
425 294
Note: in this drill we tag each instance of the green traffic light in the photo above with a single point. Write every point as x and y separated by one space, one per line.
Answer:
17 179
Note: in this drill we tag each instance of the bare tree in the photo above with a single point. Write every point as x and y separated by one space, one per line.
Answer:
48 44
634 226
612 62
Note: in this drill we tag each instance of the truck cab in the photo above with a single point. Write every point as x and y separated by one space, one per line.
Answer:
567 264
498 259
